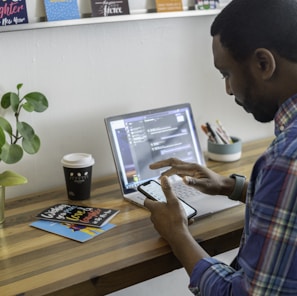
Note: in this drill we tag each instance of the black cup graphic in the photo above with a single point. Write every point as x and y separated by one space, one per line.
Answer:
78 175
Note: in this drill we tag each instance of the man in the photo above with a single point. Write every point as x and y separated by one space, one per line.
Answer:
255 49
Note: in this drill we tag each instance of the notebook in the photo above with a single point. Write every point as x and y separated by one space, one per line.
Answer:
141 138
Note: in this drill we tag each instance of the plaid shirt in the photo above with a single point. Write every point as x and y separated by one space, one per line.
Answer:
267 255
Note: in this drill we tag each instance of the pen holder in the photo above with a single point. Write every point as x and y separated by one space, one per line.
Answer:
225 152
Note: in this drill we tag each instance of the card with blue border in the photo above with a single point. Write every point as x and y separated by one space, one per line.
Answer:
80 233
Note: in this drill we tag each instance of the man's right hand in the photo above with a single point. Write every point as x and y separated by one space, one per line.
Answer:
197 176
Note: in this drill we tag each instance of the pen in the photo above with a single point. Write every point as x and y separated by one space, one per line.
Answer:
224 131
213 133
222 136
205 129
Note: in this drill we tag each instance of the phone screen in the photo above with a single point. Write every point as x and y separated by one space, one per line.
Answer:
153 190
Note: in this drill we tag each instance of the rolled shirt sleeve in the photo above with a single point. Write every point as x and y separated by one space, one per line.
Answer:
212 277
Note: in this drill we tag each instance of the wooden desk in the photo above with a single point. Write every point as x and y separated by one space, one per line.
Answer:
34 262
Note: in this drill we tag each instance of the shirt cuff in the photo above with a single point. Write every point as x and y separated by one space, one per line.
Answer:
198 271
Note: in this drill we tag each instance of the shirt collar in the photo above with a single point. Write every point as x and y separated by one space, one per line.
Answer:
285 114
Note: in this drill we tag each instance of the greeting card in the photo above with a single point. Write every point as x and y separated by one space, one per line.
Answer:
13 12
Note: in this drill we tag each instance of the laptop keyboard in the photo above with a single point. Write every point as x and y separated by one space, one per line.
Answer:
185 192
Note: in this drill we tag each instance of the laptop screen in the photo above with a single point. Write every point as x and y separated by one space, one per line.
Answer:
141 138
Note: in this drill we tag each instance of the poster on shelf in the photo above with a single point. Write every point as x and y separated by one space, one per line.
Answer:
206 4
109 7
13 12
59 10
169 5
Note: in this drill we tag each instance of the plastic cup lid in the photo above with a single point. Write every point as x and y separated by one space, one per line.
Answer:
77 160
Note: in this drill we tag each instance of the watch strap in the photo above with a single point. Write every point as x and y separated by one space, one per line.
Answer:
238 188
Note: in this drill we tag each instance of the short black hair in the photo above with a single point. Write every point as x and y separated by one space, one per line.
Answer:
245 25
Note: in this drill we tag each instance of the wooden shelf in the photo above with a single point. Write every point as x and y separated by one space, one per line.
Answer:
134 16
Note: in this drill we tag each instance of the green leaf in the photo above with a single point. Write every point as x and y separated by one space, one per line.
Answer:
37 100
19 86
10 99
14 101
28 107
5 125
2 138
31 146
5 100
11 153
25 130
9 178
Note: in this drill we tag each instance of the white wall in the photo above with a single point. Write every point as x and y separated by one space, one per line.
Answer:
93 71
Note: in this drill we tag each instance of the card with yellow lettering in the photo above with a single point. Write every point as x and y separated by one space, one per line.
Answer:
82 215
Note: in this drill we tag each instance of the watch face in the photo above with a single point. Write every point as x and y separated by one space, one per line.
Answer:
236 175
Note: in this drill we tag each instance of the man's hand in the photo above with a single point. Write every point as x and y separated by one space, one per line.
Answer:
197 176
168 217
171 222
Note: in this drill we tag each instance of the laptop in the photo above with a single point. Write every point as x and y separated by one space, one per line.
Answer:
141 138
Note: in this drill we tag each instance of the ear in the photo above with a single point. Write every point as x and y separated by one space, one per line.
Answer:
265 63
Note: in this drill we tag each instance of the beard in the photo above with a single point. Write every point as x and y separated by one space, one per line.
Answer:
263 108
261 113
264 118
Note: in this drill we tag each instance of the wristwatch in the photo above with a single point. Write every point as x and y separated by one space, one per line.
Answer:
239 184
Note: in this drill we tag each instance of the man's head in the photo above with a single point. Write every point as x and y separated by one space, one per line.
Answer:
255 47
250 24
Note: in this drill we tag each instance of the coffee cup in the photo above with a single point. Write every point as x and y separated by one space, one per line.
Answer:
78 175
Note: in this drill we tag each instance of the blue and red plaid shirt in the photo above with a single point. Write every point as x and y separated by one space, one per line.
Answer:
267 255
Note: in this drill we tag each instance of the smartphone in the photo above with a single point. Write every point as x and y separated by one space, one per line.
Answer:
153 190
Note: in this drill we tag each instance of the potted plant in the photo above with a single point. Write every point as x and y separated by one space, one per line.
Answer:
17 138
